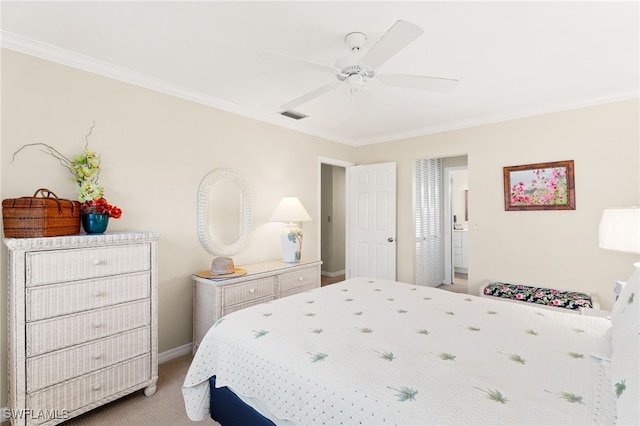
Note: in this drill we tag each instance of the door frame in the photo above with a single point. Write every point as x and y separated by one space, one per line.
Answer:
318 219
449 273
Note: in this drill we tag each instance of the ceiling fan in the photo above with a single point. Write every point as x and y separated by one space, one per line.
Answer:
357 69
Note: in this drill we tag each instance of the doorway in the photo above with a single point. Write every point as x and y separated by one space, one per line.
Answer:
456 223
332 223
357 224
440 194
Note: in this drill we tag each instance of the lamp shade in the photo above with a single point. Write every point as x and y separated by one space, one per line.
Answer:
620 229
290 209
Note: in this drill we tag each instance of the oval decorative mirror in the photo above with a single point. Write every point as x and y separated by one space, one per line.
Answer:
225 215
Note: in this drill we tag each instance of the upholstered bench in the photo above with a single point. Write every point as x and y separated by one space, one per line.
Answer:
549 298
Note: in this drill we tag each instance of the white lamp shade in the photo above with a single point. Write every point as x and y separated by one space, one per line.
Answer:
620 229
290 209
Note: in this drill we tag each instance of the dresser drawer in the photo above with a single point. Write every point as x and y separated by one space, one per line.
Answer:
228 309
52 334
61 299
48 267
303 278
86 390
243 292
299 290
83 359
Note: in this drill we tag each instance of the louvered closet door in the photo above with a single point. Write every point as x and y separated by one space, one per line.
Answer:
428 214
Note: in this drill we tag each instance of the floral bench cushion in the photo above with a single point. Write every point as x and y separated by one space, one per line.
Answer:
539 295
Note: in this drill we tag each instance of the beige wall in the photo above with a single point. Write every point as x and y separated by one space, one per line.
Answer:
554 248
155 151
156 148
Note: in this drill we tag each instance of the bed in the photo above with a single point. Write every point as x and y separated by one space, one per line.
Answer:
374 352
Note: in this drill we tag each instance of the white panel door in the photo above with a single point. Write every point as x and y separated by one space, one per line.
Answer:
371 216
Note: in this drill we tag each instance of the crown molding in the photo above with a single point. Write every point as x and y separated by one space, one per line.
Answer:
498 118
72 59
75 60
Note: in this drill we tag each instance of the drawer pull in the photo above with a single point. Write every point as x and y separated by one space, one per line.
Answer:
97 356
95 387
97 293
252 290
96 325
301 279
97 262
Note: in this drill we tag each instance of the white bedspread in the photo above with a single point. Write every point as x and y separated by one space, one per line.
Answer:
379 352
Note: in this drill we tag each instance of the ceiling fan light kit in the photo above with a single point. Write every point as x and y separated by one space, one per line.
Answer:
358 69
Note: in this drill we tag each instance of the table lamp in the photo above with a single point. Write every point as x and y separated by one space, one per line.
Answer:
291 211
620 231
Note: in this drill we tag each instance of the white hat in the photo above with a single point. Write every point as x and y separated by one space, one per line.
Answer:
222 268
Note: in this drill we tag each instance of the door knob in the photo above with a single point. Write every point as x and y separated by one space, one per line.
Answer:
390 239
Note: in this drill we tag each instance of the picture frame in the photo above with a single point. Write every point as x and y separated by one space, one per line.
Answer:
541 186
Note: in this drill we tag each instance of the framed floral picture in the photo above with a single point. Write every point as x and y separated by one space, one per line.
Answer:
543 186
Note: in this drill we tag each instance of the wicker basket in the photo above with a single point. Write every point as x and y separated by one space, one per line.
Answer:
45 216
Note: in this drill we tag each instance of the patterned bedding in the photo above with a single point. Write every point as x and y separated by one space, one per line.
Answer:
379 352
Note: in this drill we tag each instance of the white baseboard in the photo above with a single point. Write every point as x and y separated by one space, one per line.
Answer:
174 353
332 274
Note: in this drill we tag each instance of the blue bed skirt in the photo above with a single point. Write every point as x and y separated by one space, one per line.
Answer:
229 410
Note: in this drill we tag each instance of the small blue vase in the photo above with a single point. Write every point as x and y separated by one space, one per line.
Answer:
95 223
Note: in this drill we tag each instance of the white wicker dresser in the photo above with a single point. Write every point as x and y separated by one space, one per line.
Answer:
263 282
82 323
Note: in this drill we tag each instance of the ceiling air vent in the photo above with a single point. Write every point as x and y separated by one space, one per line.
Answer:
293 114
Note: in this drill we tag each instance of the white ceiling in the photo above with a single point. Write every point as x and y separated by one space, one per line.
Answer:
513 59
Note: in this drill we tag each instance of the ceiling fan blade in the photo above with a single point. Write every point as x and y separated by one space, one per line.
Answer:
308 96
394 40
434 84
299 62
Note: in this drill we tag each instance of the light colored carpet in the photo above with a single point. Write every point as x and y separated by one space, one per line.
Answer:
164 408
460 284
